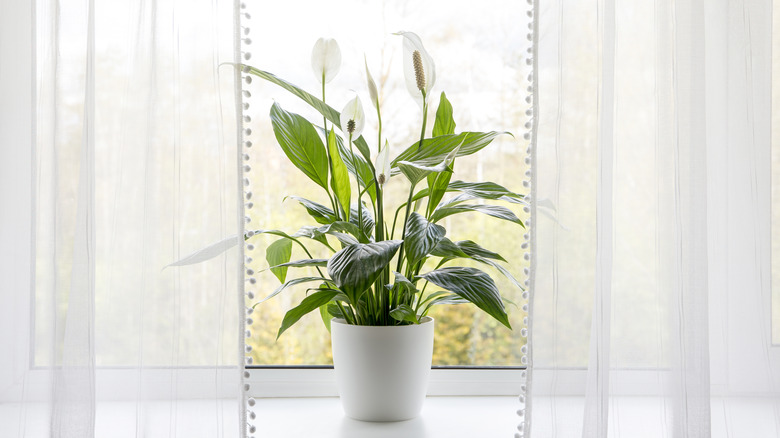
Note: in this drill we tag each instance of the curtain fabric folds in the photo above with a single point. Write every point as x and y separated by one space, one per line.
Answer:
651 289
136 166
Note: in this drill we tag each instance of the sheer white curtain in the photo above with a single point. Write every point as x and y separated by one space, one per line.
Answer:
134 164
651 288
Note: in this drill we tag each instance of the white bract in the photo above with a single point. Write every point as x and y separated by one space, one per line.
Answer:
383 165
372 91
424 75
325 59
353 112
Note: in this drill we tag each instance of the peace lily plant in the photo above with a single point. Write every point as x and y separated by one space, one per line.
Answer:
381 276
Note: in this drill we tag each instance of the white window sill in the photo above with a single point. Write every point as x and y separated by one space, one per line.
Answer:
442 417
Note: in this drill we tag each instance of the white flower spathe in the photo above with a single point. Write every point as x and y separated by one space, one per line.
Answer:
325 59
353 112
383 165
424 74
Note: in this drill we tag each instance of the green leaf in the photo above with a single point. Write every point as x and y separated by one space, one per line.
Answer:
416 171
329 113
504 271
368 223
357 165
404 313
355 268
473 285
278 253
437 189
448 250
301 263
313 301
339 179
433 150
475 250
496 211
404 282
444 123
300 142
325 315
421 237
484 190
289 283
319 212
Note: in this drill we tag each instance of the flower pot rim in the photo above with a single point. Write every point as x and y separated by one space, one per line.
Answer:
425 320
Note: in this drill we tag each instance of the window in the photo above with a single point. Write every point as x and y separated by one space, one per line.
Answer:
480 51
775 176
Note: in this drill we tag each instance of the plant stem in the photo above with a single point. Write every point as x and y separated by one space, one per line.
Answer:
403 235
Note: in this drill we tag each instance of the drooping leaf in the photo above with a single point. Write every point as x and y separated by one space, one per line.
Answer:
473 285
329 113
325 315
339 180
278 253
434 150
496 211
300 142
421 237
404 313
293 282
311 302
355 268
318 212
504 271
444 123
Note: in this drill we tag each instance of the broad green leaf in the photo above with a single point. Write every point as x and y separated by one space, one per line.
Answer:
404 313
496 211
473 249
278 253
416 171
444 123
310 231
289 283
473 285
313 301
433 150
332 115
339 180
301 263
300 142
421 237
448 250
483 190
319 212
355 268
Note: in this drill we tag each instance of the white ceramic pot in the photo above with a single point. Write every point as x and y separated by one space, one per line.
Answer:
382 372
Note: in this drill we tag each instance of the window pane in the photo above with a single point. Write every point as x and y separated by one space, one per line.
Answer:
480 52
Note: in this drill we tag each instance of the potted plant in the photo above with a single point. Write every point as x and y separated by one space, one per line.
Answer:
375 291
